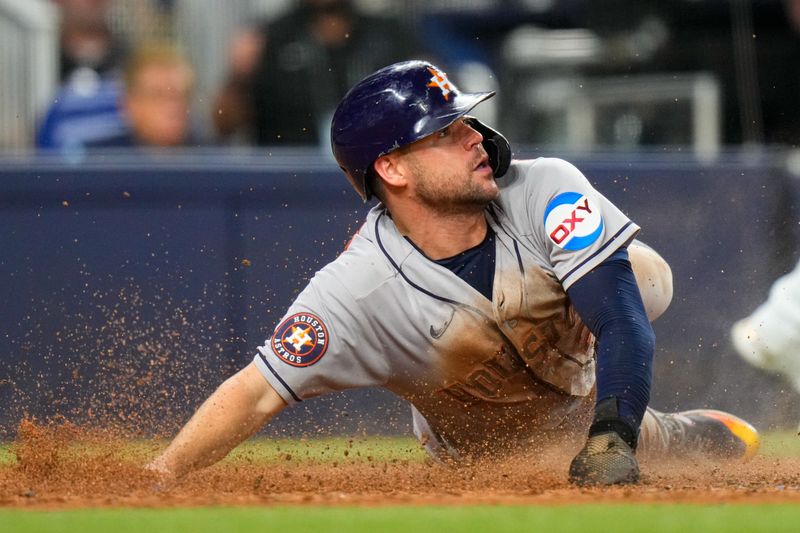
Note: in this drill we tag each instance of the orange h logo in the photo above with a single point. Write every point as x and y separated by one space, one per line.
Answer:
440 80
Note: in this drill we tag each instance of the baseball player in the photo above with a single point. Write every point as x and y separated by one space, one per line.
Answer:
507 301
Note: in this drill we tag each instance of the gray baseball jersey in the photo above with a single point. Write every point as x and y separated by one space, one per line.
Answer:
382 314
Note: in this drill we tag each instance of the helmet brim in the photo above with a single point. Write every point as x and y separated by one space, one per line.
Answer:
461 105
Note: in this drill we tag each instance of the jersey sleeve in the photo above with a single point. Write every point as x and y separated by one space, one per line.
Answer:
322 344
577 227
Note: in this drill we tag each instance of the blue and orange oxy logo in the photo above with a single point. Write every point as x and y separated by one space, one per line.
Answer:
573 221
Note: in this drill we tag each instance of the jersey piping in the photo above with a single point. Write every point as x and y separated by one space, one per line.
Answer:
278 377
414 285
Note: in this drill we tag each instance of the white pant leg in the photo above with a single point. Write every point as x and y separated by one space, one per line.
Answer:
778 319
770 337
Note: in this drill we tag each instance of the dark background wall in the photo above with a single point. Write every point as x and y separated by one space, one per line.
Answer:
131 288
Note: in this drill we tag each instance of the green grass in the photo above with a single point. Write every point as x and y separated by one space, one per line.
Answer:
6 456
269 450
583 518
332 449
781 444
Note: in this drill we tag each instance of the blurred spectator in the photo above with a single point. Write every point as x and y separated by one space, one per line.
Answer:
158 83
287 76
83 111
233 110
86 40
86 105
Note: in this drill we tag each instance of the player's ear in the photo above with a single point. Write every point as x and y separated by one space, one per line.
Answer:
389 170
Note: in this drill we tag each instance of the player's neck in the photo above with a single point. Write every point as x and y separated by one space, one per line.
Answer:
441 236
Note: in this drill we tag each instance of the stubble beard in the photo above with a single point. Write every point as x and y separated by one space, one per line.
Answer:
452 193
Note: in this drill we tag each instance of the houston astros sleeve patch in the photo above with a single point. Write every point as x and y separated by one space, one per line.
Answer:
300 340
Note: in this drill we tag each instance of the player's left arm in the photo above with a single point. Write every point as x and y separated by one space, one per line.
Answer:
609 302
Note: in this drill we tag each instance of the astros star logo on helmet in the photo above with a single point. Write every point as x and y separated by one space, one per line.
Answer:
440 80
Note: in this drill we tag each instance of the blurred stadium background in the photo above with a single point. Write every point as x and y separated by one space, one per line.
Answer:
136 281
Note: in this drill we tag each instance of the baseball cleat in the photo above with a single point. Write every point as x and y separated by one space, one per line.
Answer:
713 434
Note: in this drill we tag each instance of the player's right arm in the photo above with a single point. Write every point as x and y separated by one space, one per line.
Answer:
234 412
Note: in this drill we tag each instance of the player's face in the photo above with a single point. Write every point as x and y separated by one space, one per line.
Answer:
450 169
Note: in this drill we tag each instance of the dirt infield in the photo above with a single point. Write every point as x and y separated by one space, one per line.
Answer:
62 468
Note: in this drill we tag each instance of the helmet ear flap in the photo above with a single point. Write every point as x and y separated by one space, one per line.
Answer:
495 144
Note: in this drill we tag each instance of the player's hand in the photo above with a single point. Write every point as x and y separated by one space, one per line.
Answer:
606 459
158 476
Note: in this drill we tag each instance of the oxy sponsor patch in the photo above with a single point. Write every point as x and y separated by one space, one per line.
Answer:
300 340
573 221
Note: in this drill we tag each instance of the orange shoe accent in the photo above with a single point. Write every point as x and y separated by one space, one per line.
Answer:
743 430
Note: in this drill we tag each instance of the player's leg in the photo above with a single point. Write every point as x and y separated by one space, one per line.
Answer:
653 276
438 449
770 337
701 433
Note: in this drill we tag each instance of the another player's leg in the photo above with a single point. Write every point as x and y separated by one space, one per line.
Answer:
703 433
770 337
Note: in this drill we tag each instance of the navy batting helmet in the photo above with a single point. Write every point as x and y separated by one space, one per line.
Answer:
396 106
